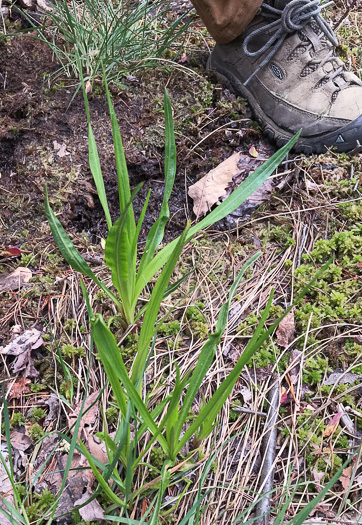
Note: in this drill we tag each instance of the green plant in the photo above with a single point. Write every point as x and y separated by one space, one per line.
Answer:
121 243
72 351
123 36
18 420
35 432
37 387
167 426
36 415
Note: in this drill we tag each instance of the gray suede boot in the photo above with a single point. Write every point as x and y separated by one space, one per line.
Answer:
285 65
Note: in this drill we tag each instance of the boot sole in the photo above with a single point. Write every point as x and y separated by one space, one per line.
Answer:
342 140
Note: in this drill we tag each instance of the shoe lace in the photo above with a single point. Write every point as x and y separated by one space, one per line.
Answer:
293 17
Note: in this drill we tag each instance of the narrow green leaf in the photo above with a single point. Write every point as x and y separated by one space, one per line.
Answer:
120 260
124 191
106 488
111 360
95 167
156 232
208 351
252 183
140 222
148 325
69 251
116 372
165 478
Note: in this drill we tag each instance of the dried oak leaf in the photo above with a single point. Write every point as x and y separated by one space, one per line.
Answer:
21 347
216 185
286 330
207 191
20 441
89 416
345 479
20 387
15 280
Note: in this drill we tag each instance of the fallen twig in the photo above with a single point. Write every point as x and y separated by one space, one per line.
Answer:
269 446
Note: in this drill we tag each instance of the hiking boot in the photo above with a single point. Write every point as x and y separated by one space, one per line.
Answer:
285 65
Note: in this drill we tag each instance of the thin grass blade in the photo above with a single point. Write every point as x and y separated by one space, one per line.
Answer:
95 167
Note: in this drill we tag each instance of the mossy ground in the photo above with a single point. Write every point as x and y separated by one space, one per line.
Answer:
316 216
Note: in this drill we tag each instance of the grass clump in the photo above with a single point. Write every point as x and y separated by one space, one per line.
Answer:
128 36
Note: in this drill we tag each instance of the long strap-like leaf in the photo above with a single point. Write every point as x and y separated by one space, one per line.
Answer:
69 251
156 232
252 183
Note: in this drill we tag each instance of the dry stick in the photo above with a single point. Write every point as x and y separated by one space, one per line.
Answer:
269 446
350 8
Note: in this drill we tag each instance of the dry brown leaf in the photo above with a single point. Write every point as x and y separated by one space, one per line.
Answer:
345 479
317 476
286 330
97 448
60 149
20 441
79 482
91 512
342 378
53 404
15 280
21 347
89 417
20 387
208 190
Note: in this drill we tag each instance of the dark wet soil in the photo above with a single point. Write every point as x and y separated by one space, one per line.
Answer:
38 116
